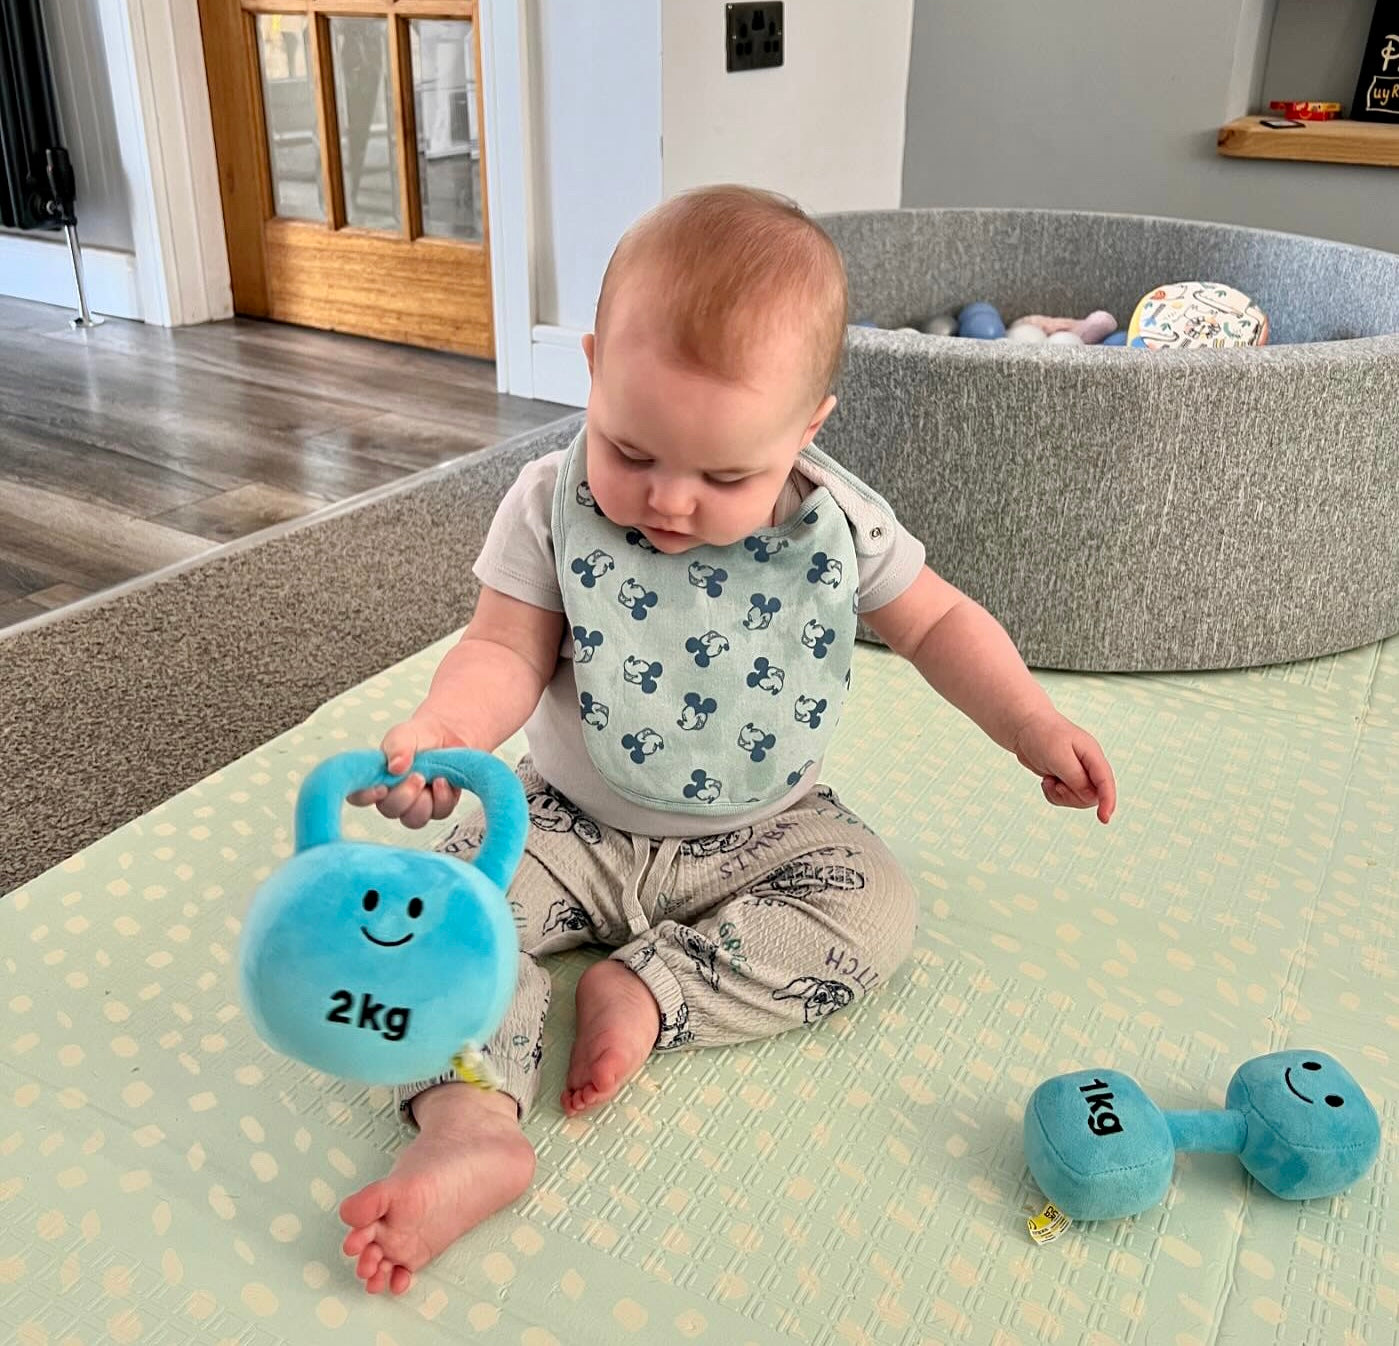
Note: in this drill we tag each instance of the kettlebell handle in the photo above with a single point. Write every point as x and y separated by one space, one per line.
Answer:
322 797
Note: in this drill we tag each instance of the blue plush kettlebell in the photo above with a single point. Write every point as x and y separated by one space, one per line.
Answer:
376 962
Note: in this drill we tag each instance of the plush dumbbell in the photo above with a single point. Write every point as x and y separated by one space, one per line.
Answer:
1100 1149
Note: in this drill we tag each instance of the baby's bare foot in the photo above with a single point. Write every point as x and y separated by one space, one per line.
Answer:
618 1020
469 1160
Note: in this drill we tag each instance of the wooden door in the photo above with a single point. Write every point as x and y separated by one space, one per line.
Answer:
351 167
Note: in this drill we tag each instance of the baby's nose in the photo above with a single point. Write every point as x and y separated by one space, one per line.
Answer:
671 497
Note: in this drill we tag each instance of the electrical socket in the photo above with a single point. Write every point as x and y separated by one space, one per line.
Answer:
753 36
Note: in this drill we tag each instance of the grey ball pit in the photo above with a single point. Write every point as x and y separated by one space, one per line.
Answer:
1124 510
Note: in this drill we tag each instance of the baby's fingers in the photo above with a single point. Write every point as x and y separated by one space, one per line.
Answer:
363 798
444 799
1058 793
402 797
402 744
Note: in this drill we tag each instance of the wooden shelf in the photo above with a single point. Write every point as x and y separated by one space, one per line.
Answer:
1337 142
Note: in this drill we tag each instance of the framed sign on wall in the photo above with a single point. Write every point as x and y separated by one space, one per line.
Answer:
1377 90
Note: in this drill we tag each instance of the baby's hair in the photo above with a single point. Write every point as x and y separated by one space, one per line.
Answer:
729 265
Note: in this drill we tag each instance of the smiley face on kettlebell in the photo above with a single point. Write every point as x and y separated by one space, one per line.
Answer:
371 901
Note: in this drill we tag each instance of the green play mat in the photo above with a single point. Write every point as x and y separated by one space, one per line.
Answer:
164 1178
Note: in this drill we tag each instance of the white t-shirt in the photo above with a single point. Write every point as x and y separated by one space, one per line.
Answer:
518 561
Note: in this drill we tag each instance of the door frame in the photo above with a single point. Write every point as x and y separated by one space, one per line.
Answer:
189 280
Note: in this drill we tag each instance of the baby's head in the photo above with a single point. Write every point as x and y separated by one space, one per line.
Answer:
719 334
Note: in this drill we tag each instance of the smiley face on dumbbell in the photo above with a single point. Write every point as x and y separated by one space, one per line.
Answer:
1305 1100
370 903
1333 1100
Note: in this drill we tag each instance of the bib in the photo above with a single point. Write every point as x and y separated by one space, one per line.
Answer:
710 681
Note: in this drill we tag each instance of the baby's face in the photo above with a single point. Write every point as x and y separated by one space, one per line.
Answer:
689 458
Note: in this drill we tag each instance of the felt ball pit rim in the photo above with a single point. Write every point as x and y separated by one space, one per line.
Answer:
1344 258
1123 510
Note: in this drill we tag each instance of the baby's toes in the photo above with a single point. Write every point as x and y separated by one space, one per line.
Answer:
379 1281
370 1261
401 1280
357 1240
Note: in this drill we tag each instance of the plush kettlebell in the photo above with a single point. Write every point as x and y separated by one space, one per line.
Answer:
1100 1149
380 963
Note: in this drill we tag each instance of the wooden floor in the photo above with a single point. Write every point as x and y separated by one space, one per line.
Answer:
129 447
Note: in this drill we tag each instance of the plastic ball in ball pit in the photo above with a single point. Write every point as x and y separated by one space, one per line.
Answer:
981 322
1026 332
941 324
1090 330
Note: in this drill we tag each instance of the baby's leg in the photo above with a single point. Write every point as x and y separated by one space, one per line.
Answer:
470 1157
797 919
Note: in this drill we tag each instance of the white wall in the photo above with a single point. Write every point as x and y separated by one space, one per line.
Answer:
825 128
88 117
596 141
626 112
1117 107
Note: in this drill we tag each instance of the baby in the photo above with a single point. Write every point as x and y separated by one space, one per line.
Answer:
669 608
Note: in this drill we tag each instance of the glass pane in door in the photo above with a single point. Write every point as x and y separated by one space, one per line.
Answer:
289 109
449 136
368 155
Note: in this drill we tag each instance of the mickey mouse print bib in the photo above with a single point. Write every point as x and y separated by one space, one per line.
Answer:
710 681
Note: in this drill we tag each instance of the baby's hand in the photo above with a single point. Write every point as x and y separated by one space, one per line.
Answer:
1072 769
414 801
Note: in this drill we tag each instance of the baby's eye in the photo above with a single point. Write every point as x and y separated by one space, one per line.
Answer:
629 460
723 481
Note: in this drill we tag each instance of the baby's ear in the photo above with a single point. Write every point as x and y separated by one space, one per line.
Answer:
818 418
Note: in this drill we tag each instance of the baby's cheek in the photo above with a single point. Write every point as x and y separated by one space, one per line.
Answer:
610 495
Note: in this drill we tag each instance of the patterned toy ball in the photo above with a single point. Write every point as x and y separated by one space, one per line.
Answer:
1193 314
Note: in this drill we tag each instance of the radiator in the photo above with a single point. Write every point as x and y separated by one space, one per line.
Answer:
36 175
36 187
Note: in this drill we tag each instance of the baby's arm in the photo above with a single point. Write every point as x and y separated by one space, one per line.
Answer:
490 681
485 688
965 655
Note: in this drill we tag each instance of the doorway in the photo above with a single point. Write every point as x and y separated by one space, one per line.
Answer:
350 155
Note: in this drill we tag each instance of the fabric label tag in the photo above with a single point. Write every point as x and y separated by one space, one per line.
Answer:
473 1068
1048 1224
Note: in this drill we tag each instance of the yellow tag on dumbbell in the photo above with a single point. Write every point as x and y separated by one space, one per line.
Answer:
1048 1224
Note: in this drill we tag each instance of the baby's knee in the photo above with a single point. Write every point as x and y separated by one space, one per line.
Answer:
890 912
876 937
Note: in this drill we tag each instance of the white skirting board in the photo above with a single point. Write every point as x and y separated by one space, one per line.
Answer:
559 366
37 266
